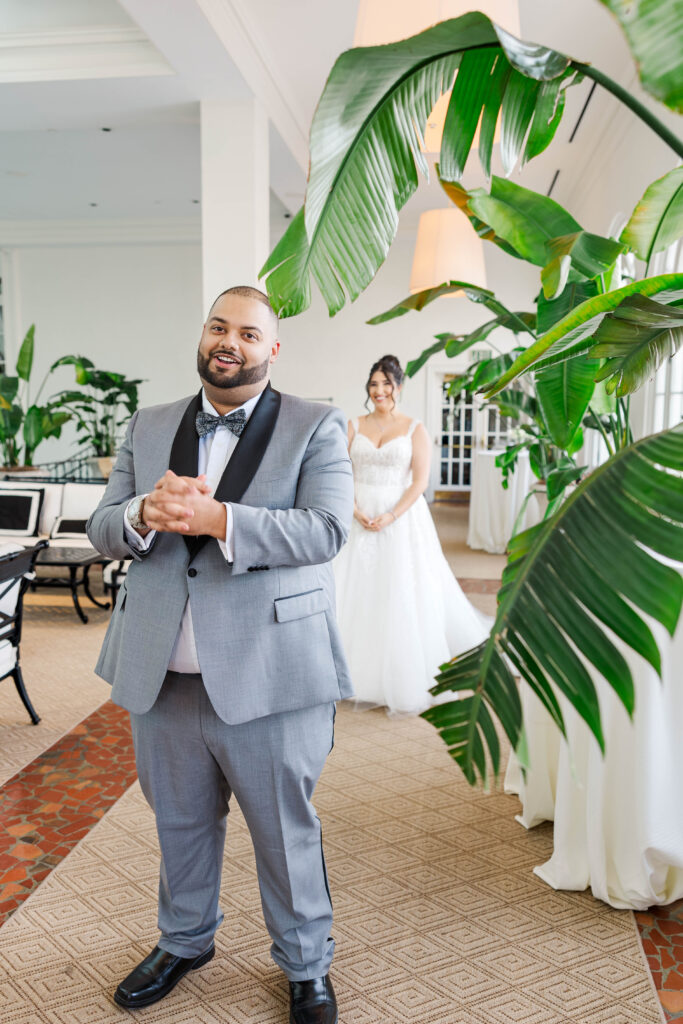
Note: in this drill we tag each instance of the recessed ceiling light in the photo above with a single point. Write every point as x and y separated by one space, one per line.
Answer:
287 216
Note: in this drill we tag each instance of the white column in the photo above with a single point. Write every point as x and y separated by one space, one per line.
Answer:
235 195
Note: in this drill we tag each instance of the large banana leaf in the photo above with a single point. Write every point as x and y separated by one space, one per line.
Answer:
657 220
635 340
461 198
570 335
473 292
586 568
563 393
456 344
522 218
654 30
579 255
365 149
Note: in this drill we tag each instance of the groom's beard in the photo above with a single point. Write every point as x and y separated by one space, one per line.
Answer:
245 375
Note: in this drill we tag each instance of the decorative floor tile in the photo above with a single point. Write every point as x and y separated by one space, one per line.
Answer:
661 932
52 803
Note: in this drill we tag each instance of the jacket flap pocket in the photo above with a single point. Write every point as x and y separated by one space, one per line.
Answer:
300 605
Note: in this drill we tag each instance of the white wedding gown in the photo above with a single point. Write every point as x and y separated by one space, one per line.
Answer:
401 611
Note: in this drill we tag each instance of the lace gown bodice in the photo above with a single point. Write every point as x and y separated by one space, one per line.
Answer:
387 466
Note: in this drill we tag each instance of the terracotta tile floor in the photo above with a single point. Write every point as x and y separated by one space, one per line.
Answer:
47 807
51 804
661 931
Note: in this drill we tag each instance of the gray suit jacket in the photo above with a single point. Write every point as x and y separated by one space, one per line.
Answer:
266 635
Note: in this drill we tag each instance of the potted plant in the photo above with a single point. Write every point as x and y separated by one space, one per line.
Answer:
567 583
25 424
104 405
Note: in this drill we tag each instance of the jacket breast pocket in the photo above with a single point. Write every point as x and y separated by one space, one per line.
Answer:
298 606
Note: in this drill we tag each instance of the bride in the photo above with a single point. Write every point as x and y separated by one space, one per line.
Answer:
400 609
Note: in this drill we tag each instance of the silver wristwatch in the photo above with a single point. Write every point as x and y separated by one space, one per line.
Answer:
134 513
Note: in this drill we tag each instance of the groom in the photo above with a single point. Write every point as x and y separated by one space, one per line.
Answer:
223 644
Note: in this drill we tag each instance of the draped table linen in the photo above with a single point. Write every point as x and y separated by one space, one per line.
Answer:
618 820
493 510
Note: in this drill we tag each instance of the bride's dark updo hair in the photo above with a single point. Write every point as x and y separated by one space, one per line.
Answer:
391 368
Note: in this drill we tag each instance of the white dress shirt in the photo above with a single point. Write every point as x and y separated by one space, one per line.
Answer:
215 451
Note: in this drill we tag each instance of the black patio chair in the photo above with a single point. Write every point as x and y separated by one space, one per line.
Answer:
16 568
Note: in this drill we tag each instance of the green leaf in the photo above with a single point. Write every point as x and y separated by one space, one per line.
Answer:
547 116
472 84
518 108
524 219
579 323
25 358
657 220
654 31
11 420
460 196
365 151
33 427
9 386
415 364
570 583
635 339
586 254
561 477
421 299
563 393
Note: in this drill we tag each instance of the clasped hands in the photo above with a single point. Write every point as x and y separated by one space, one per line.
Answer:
183 504
376 524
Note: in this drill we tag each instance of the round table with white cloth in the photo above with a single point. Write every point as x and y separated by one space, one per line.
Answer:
618 820
493 510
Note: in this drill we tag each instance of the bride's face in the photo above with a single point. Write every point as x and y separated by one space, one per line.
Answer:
381 391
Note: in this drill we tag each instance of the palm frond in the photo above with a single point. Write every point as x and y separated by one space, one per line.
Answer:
635 340
569 336
588 569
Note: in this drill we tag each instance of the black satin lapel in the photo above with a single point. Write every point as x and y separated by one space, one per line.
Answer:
248 453
184 458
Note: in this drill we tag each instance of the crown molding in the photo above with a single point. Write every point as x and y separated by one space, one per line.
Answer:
103 51
40 233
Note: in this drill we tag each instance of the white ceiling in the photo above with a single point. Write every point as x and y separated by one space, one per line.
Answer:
55 160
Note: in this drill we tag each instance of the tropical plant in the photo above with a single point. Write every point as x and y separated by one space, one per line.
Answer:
366 140
18 413
593 342
105 404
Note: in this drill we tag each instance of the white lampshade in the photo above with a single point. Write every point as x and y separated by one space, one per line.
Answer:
447 249
387 21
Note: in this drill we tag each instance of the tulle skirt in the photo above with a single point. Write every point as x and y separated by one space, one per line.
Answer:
400 609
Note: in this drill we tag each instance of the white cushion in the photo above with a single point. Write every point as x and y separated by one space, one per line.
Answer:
111 568
80 500
8 657
52 500
19 510
81 541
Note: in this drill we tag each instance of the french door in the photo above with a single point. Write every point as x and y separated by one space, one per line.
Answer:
466 424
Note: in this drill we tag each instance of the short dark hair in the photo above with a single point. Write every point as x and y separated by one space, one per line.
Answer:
247 292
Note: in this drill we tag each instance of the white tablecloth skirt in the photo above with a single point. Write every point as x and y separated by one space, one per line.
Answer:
493 511
618 820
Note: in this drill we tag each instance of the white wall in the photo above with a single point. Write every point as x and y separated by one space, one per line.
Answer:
133 309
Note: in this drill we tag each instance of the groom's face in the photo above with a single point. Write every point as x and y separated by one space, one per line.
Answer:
238 344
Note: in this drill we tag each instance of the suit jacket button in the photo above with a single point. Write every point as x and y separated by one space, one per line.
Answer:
192 572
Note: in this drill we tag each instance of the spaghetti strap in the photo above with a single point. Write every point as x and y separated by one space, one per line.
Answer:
411 428
354 424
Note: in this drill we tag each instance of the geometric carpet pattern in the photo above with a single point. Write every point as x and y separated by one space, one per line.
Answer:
438 917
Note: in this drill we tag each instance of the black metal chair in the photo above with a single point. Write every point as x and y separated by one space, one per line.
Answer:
16 568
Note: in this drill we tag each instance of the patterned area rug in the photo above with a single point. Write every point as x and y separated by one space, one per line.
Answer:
438 915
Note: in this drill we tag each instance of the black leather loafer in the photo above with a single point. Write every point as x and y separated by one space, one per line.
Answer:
156 976
312 1002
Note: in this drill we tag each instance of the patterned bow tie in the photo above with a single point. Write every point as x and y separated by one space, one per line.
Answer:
206 423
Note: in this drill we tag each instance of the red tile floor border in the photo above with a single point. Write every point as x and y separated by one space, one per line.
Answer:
52 803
